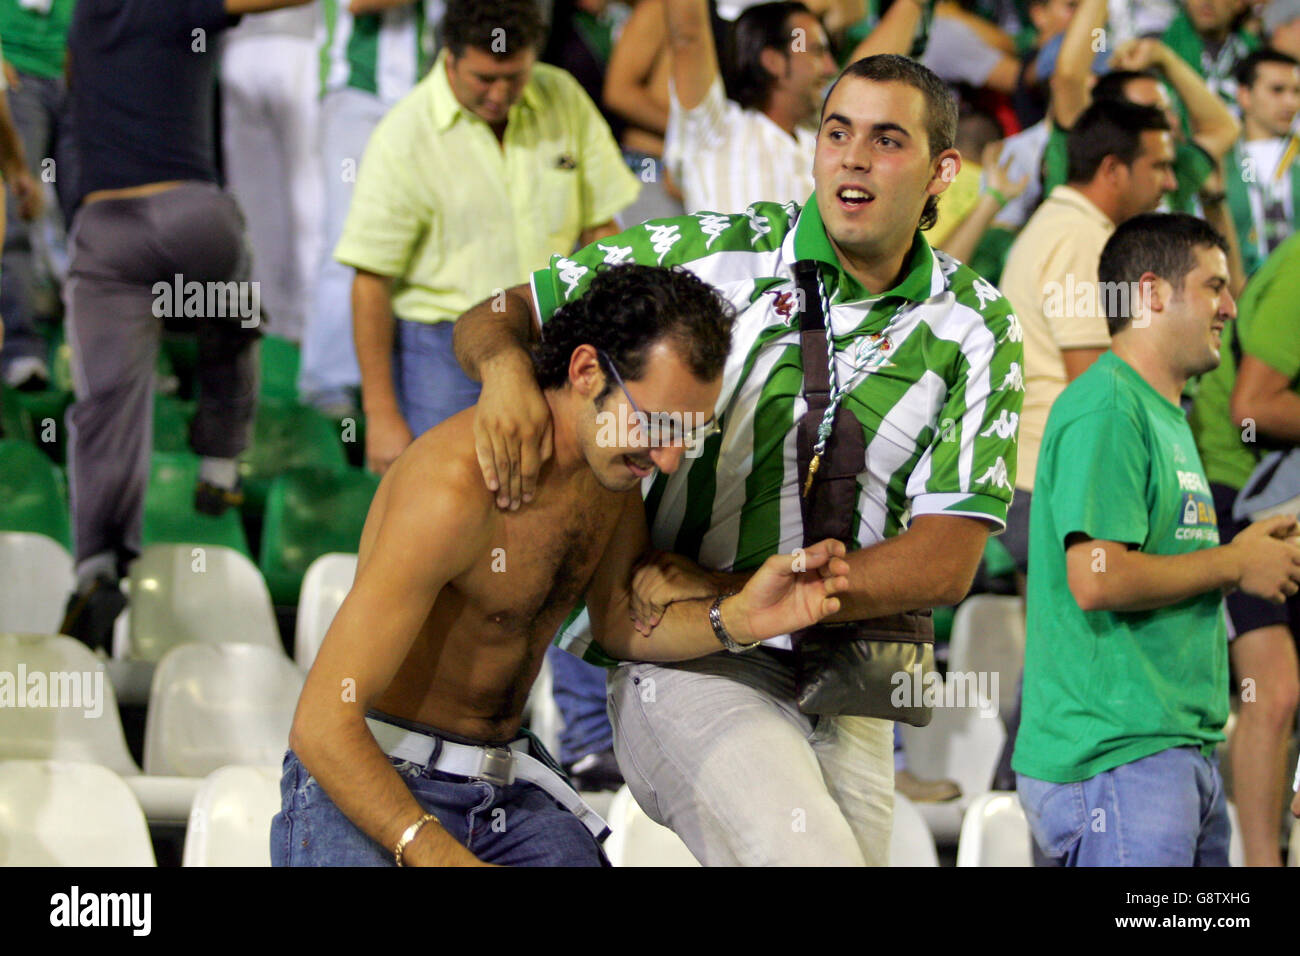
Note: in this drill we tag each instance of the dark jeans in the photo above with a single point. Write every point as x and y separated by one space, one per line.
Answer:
515 825
579 692
43 120
125 257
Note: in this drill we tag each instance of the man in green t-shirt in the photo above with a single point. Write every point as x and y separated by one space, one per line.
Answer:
1126 664
1248 405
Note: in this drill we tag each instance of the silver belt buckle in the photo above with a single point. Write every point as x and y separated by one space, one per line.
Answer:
497 766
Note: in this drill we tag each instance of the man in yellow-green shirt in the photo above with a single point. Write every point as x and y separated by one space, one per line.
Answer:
490 166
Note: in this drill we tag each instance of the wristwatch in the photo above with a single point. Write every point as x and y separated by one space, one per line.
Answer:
720 631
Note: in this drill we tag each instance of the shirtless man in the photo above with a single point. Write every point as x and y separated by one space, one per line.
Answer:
406 745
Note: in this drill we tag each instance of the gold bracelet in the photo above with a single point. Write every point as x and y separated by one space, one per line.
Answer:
408 835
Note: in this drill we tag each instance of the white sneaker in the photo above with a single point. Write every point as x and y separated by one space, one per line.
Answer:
22 371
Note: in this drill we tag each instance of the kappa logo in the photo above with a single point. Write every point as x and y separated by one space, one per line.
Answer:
663 237
784 304
996 475
1004 427
570 274
713 225
615 255
1014 379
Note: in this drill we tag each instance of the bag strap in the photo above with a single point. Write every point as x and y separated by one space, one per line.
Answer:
829 507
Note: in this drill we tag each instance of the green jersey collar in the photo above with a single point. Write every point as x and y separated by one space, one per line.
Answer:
811 242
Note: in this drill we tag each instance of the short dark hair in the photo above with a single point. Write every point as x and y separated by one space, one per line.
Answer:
500 27
940 106
1247 71
1111 85
1109 128
762 27
625 311
1157 242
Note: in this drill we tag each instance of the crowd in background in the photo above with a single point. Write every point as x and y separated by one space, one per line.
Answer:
390 172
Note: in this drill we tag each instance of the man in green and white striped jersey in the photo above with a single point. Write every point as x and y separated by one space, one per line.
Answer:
930 357
372 53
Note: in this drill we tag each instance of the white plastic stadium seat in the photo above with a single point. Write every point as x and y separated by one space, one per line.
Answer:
636 840
218 704
911 843
959 744
79 720
36 577
230 824
988 635
57 813
326 583
1236 848
209 594
995 832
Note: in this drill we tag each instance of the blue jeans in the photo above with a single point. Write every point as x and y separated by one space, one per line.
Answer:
579 692
516 825
430 385
1164 810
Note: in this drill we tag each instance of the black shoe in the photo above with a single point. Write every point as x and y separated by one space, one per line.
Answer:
596 772
90 614
210 499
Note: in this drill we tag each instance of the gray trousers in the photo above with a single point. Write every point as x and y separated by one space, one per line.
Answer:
717 750
120 250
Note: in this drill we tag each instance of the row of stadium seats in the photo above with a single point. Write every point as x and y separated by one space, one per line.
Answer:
306 511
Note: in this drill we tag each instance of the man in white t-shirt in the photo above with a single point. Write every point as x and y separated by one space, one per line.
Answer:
727 153
1262 172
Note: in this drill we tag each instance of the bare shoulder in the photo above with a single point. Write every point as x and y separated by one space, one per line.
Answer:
433 498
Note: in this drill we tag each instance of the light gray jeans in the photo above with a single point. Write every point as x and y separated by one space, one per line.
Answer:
716 750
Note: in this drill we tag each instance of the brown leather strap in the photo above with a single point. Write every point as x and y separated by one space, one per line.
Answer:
829 508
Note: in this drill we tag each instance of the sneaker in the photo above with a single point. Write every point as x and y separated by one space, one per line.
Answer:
28 374
596 772
210 499
925 791
90 614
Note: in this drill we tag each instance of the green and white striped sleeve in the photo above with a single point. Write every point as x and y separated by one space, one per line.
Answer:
969 469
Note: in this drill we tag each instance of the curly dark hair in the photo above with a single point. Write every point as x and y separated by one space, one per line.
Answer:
629 308
499 27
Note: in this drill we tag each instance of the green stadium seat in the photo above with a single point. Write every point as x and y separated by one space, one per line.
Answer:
286 435
171 423
279 369
14 421
169 515
997 559
46 413
32 495
311 512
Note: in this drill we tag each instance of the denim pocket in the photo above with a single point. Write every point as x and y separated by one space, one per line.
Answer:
1056 812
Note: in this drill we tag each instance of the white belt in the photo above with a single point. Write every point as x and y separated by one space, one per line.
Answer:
500 766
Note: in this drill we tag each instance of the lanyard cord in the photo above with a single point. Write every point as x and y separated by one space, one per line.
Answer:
873 358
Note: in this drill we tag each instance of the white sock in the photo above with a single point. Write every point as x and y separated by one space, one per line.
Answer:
99 565
221 472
